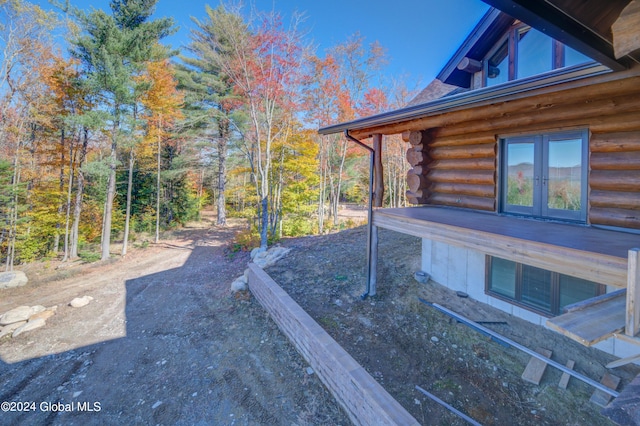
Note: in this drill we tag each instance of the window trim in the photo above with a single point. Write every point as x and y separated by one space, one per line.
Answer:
517 300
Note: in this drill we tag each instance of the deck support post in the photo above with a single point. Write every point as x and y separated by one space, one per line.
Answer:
373 264
378 177
633 293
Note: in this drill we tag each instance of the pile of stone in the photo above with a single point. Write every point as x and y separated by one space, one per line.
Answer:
263 258
24 318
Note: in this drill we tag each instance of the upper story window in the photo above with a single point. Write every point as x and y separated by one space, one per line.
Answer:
525 52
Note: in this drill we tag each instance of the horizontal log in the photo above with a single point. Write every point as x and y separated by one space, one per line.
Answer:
465 139
418 197
615 199
615 160
477 177
418 138
464 164
615 142
460 152
570 95
464 189
416 182
416 157
465 201
623 218
470 65
609 180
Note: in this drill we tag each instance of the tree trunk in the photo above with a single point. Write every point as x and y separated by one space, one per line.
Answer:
127 218
111 193
157 239
77 210
68 206
222 177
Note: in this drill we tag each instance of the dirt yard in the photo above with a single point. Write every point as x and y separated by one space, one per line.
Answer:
164 342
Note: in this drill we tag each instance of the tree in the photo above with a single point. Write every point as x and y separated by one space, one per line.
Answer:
162 101
113 49
27 45
264 68
210 91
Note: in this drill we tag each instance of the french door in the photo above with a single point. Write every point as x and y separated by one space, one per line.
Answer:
545 175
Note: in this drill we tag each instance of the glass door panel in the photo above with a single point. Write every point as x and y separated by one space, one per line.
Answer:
520 176
564 175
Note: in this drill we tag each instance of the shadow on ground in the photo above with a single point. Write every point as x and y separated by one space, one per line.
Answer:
192 354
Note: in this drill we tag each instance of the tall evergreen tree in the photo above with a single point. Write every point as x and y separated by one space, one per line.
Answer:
209 90
113 49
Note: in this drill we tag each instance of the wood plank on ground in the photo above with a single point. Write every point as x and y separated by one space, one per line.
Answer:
536 367
602 398
564 380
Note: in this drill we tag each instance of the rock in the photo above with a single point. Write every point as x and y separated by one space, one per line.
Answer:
21 313
239 284
256 251
45 315
270 257
12 279
8 329
434 339
31 325
79 302
422 277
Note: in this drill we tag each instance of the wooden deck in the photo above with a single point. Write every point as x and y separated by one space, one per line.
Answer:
594 323
590 253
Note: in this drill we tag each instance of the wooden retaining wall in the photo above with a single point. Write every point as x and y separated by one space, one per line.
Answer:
363 399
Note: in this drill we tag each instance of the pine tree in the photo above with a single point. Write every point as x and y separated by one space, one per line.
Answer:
113 49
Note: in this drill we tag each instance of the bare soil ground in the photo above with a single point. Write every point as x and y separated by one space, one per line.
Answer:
164 342
402 342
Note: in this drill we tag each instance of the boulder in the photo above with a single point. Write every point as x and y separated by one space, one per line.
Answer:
21 313
12 279
8 329
257 251
270 257
239 284
45 315
79 302
30 325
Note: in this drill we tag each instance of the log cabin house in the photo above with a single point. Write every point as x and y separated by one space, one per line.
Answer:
525 168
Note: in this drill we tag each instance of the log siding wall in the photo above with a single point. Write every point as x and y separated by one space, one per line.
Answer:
454 158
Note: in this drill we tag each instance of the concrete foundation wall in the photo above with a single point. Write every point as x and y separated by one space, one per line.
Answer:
460 269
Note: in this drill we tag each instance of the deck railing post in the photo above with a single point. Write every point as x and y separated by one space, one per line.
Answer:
633 293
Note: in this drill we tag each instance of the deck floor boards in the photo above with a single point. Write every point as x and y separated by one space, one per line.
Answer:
572 236
594 323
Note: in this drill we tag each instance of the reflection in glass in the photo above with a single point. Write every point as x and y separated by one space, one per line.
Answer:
564 181
520 174
536 287
498 66
534 53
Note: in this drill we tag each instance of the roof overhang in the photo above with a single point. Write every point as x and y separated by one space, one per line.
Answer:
584 25
471 99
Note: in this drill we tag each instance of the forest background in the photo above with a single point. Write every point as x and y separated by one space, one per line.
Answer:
108 135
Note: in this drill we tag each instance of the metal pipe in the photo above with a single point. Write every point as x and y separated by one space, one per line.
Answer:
531 352
449 407
369 209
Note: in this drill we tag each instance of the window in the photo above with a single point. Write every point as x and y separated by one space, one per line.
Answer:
540 290
525 52
545 175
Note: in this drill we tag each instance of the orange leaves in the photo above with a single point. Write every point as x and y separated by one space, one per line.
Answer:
163 101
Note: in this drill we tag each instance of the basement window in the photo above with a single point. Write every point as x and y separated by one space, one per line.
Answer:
538 290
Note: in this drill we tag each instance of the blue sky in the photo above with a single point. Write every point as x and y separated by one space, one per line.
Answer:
419 35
